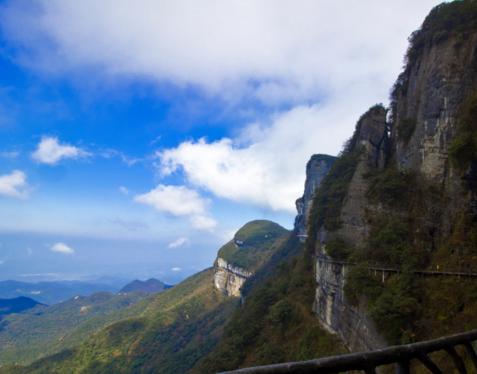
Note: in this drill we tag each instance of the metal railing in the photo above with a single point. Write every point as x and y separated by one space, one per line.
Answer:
458 274
401 356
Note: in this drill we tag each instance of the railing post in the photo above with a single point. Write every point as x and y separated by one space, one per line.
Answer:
459 364
471 353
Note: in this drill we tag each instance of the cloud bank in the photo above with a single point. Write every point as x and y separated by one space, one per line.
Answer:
278 51
314 66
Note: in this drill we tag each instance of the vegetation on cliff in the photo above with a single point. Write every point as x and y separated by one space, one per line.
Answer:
276 323
463 149
443 22
413 222
253 244
330 195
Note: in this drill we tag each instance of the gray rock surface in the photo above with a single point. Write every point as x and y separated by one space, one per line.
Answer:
228 278
316 169
426 104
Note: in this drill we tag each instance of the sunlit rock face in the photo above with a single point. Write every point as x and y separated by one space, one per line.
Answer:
228 278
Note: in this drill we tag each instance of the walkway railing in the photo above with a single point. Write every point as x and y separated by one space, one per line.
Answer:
395 270
401 356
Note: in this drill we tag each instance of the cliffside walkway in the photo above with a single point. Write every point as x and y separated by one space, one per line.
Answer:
383 270
401 356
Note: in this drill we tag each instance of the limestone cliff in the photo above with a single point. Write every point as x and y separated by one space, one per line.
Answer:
241 257
370 143
367 148
228 278
403 193
316 169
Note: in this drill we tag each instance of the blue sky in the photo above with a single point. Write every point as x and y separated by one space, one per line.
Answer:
136 137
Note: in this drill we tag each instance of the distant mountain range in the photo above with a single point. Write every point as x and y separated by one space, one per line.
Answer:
16 305
52 292
151 285
40 330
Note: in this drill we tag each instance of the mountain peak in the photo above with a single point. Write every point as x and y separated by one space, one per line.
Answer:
151 285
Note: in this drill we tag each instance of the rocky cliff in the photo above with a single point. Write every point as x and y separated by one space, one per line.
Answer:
316 169
241 257
402 194
228 278
367 153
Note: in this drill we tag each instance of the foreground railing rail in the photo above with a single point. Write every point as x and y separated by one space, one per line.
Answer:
400 355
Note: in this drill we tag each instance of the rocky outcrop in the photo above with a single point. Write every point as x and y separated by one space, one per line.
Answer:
229 279
252 246
440 75
414 141
370 141
316 169
427 97
352 324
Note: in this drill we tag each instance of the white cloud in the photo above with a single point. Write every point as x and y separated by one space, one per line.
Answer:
176 200
62 248
179 201
326 61
50 151
14 184
269 170
179 242
202 222
286 50
123 190
176 269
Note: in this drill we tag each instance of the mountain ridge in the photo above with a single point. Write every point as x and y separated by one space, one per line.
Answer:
150 285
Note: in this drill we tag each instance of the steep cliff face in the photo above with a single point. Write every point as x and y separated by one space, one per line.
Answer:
316 169
240 258
367 149
370 143
440 74
401 196
228 278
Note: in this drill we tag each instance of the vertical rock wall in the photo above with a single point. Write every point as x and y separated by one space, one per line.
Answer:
351 324
316 169
229 279
441 73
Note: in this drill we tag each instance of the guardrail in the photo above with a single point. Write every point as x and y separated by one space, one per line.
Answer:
368 362
377 268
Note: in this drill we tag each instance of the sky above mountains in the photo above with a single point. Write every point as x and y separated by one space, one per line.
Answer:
137 136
